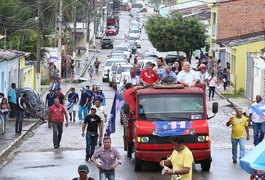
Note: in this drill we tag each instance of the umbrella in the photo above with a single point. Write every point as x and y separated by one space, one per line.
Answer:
67 57
53 59
255 159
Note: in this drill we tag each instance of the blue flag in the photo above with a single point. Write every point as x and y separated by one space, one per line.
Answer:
259 109
117 104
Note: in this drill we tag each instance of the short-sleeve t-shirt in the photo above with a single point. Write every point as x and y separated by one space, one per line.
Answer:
57 113
238 127
72 97
128 96
149 76
92 122
180 160
51 99
187 77
83 98
20 103
255 117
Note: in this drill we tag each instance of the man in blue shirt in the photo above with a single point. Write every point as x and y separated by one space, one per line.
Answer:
91 98
50 101
12 99
73 99
82 109
167 72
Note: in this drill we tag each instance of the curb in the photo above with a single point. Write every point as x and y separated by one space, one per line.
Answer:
5 154
227 99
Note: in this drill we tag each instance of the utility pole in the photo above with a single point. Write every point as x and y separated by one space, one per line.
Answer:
5 41
60 18
88 28
38 82
74 49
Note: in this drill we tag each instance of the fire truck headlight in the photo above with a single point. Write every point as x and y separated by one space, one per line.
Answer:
203 138
143 139
192 131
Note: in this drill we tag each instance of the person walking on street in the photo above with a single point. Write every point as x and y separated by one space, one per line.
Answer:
224 76
212 84
60 96
58 113
82 109
100 96
50 97
12 99
100 111
21 106
96 64
72 107
83 173
90 72
239 126
257 122
181 160
93 123
109 158
91 98
5 109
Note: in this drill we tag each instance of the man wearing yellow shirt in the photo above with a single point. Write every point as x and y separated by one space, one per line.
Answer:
239 126
181 160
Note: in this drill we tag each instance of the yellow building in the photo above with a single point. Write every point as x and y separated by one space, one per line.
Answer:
29 77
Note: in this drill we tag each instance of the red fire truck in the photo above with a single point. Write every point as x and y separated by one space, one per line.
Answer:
163 111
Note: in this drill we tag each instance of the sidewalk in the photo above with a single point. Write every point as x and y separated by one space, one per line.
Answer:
234 101
9 141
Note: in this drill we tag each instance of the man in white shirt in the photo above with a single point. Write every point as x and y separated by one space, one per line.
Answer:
203 74
160 65
132 78
100 111
187 76
258 123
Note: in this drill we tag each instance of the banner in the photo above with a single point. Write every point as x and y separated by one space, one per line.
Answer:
117 104
171 128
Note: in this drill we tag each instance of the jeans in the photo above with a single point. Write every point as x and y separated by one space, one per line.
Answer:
82 110
91 142
106 174
211 91
3 118
242 143
89 105
19 121
57 133
259 131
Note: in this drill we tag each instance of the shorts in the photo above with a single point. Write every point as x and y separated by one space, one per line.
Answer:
74 108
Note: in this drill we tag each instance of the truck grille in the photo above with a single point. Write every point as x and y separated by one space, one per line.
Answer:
166 140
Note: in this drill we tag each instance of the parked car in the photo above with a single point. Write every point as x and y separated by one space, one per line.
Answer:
111 31
106 68
117 75
113 69
106 43
171 59
144 10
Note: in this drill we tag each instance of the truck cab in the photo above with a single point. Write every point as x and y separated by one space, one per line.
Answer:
162 112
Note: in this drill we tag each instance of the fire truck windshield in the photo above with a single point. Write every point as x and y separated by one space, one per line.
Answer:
171 106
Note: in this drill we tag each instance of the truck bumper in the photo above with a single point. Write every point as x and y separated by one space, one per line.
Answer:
157 156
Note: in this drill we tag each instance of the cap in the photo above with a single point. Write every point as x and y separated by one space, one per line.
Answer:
83 168
83 88
93 108
99 88
51 89
202 66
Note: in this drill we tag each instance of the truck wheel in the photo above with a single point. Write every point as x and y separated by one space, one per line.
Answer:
129 150
206 165
137 164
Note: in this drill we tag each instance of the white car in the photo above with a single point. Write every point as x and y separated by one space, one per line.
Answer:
117 75
125 50
113 69
136 38
122 78
143 62
106 68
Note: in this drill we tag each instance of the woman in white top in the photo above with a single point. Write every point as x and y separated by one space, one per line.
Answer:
212 84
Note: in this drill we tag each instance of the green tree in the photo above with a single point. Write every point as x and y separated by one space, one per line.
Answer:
175 33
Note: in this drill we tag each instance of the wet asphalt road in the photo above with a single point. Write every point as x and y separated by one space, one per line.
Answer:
36 158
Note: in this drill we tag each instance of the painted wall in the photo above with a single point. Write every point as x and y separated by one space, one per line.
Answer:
29 77
213 25
240 53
